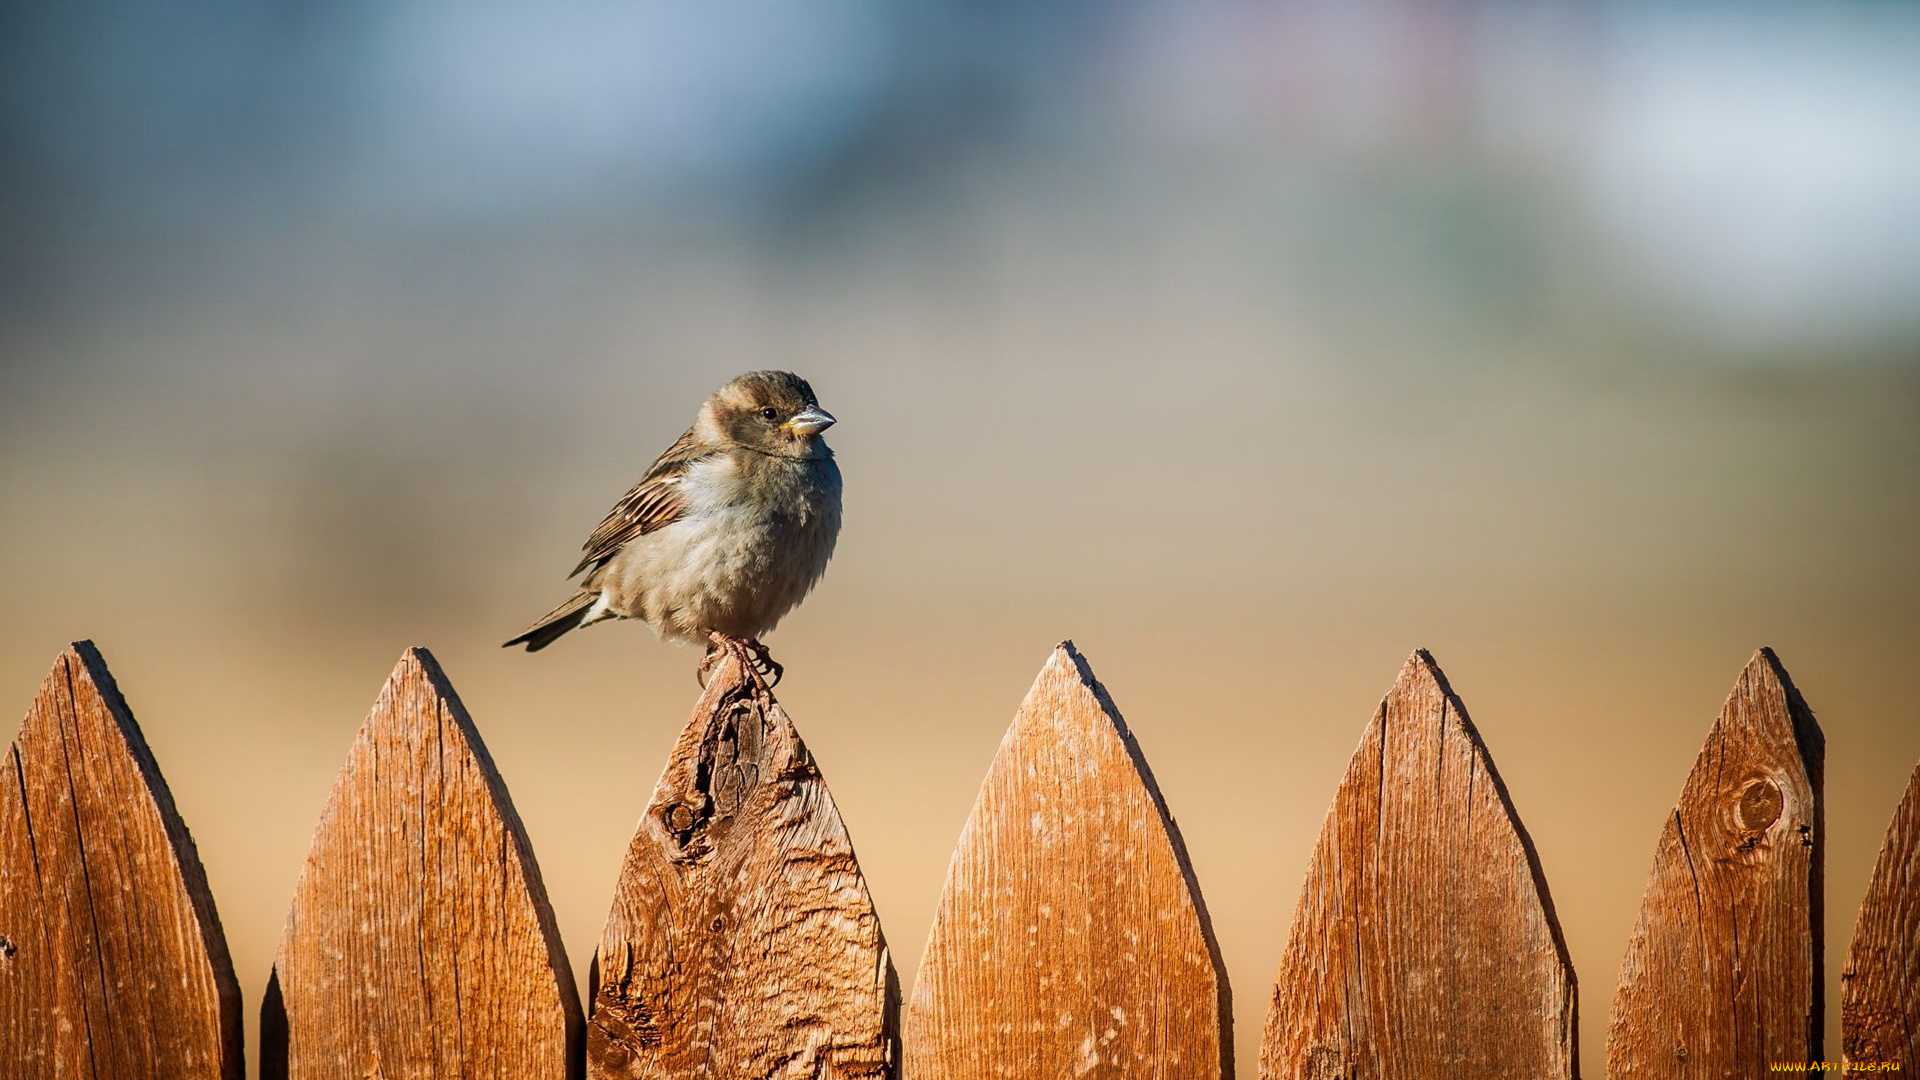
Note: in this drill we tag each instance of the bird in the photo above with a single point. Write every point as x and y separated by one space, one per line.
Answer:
723 535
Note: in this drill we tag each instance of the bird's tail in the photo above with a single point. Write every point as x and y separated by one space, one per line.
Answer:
554 623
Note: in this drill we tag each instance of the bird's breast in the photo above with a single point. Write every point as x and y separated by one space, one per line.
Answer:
754 538
775 515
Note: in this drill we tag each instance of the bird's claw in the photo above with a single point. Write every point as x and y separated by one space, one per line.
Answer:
750 652
763 663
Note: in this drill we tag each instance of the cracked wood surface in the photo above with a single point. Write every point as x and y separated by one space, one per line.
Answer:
112 964
742 942
1071 940
1424 941
420 943
1880 987
1722 973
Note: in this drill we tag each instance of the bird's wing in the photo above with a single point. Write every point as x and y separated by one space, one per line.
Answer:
657 500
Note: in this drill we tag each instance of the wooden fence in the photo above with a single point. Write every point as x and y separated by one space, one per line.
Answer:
1071 940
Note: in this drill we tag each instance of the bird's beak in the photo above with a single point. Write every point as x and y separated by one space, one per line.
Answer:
811 420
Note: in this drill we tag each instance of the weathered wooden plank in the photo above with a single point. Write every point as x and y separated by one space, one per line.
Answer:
742 941
112 964
1424 941
420 942
1071 940
1722 974
1880 987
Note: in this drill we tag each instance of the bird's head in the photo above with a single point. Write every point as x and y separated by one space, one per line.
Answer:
773 412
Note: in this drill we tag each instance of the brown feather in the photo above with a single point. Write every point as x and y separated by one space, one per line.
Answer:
554 623
656 500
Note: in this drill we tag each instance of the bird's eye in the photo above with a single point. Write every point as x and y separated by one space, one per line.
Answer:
769 413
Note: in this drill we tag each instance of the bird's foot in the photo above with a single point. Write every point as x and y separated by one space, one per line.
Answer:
762 660
750 652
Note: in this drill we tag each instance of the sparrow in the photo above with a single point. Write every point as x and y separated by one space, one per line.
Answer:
724 534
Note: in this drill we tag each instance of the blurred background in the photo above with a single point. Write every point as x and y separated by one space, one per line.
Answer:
1578 343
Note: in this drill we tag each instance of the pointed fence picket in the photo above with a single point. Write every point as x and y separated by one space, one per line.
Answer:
112 963
1424 942
1071 939
1880 985
1722 974
742 941
420 942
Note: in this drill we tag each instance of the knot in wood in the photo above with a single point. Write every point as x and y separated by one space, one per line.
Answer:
1759 805
680 817
622 1026
7 947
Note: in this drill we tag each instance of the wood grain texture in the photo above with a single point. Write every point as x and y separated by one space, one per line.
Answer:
742 942
420 943
1424 942
1880 987
1722 973
1071 940
112 964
